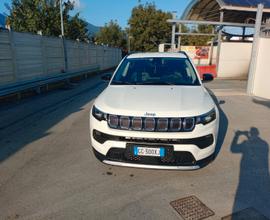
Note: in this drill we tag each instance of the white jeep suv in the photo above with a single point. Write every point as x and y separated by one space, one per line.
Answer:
155 113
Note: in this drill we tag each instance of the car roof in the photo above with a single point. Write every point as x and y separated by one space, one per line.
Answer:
157 54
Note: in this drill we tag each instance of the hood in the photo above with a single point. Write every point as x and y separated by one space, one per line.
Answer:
156 101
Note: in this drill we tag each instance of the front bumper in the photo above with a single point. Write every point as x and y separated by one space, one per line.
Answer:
120 160
186 151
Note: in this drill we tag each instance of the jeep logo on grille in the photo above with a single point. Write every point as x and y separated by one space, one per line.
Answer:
150 114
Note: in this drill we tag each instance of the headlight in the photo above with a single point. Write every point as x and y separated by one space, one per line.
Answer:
207 118
99 115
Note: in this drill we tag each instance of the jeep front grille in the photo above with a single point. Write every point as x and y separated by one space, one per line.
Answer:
151 124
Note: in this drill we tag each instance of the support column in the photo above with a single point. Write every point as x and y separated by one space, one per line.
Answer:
243 33
211 52
173 36
219 40
64 46
179 37
255 50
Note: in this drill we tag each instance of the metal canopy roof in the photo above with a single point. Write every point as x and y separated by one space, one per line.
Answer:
247 3
241 11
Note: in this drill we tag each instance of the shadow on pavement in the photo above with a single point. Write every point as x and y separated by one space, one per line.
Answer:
265 103
34 125
253 190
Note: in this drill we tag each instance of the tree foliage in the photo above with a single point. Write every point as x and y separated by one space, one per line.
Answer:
148 28
44 15
196 40
77 28
112 35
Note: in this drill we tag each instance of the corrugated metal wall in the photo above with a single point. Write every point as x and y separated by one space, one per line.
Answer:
25 57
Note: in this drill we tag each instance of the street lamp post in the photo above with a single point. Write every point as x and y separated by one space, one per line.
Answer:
62 21
63 36
173 31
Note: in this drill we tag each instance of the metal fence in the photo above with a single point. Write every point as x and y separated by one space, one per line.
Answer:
27 57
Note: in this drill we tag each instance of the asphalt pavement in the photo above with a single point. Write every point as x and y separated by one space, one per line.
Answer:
48 170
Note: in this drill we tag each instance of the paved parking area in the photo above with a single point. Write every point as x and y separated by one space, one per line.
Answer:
223 87
48 171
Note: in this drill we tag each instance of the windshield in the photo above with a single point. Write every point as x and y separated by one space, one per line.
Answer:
155 71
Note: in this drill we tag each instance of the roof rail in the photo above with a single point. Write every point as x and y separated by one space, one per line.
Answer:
134 52
183 52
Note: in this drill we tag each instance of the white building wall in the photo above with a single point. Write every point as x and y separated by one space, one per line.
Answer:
214 57
261 86
234 60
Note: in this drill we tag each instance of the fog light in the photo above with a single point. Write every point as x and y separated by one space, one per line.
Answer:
99 137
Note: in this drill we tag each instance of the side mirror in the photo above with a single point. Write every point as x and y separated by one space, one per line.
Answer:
106 77
207 77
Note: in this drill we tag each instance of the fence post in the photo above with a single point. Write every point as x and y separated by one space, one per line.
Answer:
44 55
65 54
13 54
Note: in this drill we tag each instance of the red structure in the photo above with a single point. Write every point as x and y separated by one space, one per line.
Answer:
207 69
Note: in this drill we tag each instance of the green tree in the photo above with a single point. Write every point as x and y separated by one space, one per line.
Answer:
196 40
112 35
77 28
184 39
148 28
43 15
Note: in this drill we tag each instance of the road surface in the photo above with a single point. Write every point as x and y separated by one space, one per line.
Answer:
48 170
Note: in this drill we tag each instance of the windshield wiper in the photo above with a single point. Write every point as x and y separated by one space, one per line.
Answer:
148 83
157 83
120 83
168 83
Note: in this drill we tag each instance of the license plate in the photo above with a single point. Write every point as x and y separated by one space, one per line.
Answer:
148 151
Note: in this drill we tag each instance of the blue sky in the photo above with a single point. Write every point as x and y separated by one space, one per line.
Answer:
98 12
